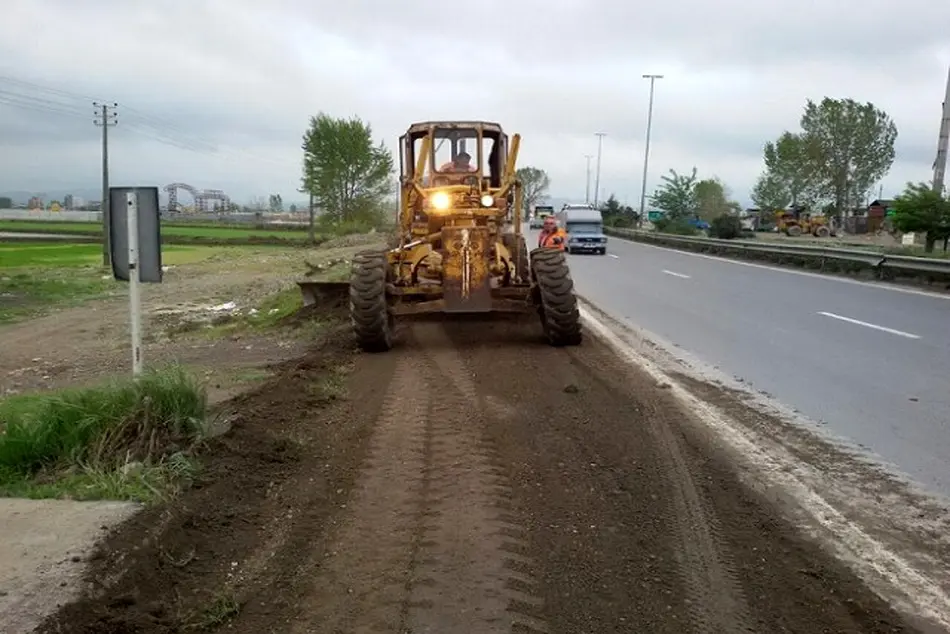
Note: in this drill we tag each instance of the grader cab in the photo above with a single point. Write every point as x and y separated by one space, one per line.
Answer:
460 243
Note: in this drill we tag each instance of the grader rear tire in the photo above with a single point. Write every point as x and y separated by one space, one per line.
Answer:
521 257
557 304
369 311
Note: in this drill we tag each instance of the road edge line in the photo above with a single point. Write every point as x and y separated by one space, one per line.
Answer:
887 573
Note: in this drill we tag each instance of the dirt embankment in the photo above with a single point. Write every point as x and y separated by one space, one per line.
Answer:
472 480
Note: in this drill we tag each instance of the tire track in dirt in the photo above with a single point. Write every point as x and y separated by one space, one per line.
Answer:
472 572
427 545
714 596
366 572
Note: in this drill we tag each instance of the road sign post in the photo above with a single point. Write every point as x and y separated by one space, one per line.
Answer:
135 301
136 251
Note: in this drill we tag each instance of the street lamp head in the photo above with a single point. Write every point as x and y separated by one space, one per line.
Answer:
653 76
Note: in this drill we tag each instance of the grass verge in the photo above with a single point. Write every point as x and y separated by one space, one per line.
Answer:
35 276
127 440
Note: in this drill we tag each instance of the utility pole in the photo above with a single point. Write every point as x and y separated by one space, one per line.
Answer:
587 190
600 146
940 165
646 151
105 119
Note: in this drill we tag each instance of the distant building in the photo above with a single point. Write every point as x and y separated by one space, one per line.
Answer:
68 202
35 202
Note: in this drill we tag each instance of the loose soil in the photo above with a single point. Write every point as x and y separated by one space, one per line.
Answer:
42 550
471 480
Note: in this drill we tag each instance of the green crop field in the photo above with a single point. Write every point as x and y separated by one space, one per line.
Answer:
35 276
171 230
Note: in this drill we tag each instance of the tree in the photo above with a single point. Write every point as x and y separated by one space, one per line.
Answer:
712 199
787 164
677 195
618 215
534 185
848 147
770 193
920 208
276 203
346 173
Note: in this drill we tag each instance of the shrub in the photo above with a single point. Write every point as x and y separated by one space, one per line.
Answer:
677 226
726 227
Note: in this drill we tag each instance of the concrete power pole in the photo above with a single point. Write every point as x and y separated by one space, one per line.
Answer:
600 146
940 165
105 119
646 151
587 190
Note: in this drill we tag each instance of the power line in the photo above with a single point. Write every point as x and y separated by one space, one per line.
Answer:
29 95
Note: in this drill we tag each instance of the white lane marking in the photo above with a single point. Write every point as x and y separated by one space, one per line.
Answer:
915 591
858 322
613 256
878 285
675 274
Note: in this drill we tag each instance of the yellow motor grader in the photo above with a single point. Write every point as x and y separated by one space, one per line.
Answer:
460 243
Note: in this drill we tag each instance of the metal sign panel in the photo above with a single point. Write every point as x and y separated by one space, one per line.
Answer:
149 232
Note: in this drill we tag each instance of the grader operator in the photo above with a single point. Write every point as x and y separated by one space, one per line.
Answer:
460 244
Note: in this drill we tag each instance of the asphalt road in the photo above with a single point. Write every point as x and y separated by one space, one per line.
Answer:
870 362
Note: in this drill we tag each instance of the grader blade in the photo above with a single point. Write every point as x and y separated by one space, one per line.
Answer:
465 261
324 293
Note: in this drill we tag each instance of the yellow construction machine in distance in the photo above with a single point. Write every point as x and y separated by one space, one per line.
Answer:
460 242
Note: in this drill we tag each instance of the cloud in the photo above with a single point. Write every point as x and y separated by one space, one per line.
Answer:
218 92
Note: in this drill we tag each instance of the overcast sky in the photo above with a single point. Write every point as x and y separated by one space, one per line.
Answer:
217 93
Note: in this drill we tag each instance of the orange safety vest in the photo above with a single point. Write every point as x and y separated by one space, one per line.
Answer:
550 240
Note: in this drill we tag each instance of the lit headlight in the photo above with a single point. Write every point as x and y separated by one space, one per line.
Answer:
488 200
440 200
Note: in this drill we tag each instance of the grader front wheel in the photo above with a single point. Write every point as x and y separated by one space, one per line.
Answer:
369 312
557 304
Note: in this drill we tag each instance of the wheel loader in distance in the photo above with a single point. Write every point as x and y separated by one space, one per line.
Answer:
460 243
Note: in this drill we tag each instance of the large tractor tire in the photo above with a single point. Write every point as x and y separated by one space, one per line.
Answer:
554 292
511 242
369 310
794 231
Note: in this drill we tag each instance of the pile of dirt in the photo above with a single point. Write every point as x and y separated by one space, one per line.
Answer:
175 566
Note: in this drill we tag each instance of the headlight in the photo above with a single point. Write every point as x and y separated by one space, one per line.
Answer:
440 200
488 200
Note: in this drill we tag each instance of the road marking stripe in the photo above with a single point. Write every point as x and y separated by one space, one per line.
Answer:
675 274
613 256
833 278
858 322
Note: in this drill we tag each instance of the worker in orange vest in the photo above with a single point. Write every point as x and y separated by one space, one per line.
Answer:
552 236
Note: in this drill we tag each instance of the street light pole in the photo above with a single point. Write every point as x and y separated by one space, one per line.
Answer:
587 190
940 165
646 151
600 146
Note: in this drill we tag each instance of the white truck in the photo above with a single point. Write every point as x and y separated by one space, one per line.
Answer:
585 229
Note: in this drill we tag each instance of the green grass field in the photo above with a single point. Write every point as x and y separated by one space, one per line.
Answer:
34 276
171 230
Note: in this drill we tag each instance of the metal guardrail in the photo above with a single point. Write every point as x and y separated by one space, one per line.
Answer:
873 260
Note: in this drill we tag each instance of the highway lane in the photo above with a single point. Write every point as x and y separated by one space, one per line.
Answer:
872 363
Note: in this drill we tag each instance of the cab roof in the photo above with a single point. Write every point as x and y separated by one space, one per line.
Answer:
423 126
